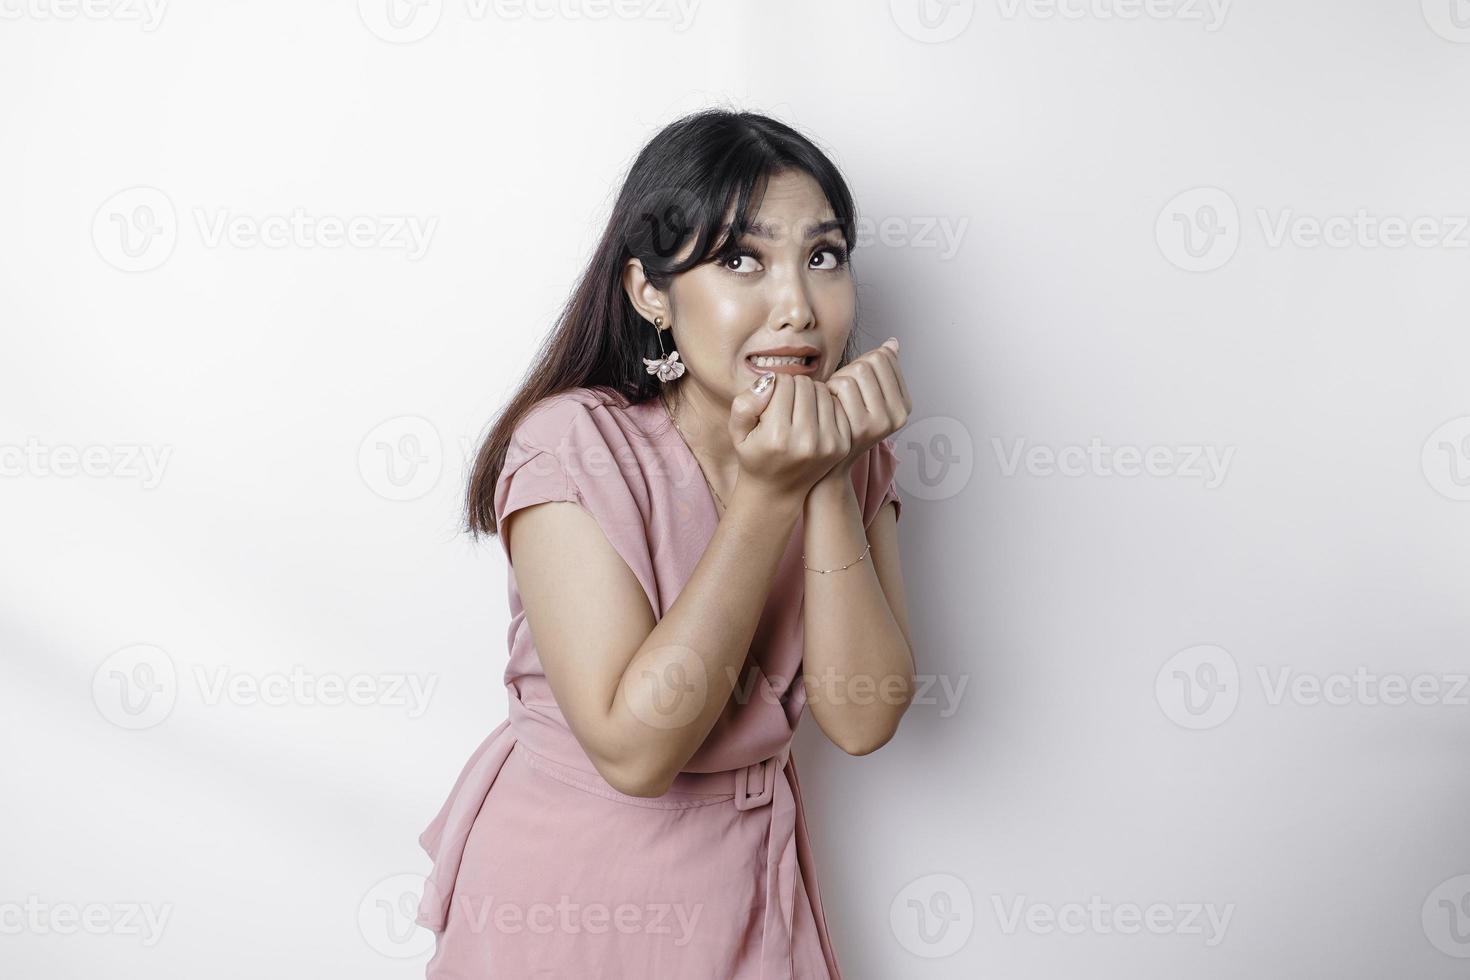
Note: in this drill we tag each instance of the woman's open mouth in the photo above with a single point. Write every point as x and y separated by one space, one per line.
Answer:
782 364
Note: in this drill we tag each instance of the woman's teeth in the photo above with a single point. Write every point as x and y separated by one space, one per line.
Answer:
763 360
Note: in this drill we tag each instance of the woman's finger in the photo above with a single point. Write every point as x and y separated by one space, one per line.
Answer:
826 416
851 399
903 385
803 404
885 372
873 401
778 412
843 423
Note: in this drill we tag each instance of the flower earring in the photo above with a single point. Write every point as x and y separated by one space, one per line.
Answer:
668 367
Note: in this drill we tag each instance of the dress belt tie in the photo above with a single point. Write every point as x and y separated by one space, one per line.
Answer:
765 783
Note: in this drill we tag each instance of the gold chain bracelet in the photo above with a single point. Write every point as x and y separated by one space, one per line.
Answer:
824 571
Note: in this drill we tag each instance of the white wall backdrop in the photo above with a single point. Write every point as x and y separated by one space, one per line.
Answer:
1181 287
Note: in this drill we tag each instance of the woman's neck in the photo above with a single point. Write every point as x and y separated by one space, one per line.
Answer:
705 426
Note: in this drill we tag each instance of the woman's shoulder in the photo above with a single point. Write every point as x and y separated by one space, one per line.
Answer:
567 447
562 417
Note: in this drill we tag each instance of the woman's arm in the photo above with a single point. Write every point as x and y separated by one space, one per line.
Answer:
640 697
858 663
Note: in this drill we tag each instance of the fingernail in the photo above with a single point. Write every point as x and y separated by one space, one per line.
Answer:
763 382
893 341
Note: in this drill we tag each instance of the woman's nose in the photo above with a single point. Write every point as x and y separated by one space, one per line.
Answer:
793 307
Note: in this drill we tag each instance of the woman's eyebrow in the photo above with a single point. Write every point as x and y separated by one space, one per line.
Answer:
762 230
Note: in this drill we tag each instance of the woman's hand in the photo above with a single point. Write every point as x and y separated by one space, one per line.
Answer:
874 398
791 435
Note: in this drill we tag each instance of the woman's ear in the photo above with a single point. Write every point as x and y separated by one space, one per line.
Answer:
648 301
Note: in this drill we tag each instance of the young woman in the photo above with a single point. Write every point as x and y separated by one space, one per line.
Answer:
690 489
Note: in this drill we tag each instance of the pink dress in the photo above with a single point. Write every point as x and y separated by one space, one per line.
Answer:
540 868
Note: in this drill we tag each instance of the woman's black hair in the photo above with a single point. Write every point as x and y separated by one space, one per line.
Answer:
682 186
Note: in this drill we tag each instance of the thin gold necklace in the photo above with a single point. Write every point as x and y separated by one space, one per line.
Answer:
711 486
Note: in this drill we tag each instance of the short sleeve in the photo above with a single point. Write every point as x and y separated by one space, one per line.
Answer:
565 449
879 480
530 476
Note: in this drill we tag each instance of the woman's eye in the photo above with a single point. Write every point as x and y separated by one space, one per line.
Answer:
835 258
738 257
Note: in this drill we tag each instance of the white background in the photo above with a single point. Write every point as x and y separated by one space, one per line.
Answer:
1116 189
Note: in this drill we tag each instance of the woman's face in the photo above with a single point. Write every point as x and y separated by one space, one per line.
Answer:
788 290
